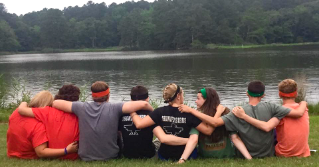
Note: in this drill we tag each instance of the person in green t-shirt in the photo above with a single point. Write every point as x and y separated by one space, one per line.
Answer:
258 143
218 144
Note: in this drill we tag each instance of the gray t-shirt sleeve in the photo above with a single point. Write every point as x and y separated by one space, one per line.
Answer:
118 108
279 111
77 107
231 121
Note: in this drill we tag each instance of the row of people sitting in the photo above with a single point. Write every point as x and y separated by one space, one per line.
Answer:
211 130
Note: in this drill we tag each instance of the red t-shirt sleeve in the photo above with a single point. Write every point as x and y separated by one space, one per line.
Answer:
41 114
39 135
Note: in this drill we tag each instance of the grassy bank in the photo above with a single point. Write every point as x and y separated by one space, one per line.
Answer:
275 162
214 46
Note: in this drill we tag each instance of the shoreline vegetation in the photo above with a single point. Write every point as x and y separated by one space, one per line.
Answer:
208 47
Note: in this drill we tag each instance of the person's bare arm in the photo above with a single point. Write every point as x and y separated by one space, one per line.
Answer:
297 113
240 146
215 122
43 151
132 106
205 128
189 148
24 110
63 105
141 123
168 139
262 125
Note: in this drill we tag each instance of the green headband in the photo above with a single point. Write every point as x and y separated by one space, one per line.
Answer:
255 94
203 91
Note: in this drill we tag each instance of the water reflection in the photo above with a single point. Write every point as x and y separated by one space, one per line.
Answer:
228 72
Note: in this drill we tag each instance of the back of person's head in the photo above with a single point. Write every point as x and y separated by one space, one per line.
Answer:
287 89
209 108
68 93
100 91
170 92
256 89
139 93
42 99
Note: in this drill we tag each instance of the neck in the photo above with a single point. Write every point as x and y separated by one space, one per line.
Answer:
288 101
254 100
175 104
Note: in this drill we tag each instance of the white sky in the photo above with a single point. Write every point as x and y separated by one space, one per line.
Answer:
25 6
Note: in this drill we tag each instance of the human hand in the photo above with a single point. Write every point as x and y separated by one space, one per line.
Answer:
23 104
239 112
220 110
73 147
185 109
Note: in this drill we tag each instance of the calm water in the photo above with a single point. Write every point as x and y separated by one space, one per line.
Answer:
228 72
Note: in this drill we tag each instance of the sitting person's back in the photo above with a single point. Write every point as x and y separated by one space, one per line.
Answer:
258 143
24 134
292 133
137 142
62 128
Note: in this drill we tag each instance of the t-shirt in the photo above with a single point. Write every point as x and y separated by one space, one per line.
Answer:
175 123
24 134
62 128
259 143
224 148
98 123
292 135
137 142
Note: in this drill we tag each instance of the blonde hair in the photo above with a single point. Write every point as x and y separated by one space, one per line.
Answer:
287 86
42 99
169 91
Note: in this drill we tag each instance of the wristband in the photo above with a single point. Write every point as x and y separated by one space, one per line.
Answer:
182 159
65 151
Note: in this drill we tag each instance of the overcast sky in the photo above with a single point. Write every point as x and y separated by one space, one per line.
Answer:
25 6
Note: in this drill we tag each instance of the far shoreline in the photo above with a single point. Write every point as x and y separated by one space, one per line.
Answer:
208 47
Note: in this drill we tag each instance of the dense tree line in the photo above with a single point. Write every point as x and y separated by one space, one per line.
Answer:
163 24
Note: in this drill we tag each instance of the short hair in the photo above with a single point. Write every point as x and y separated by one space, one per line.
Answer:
287 86
68 93
100 86
256 87
139 91
42 99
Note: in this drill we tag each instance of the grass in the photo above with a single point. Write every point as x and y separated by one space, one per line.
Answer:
214 46
274 161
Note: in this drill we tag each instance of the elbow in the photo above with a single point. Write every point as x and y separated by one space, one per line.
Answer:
208 132
193 139
267 129
40 154
54 103
138 126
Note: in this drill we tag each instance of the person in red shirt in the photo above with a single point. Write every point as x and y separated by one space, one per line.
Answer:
27 138
62 128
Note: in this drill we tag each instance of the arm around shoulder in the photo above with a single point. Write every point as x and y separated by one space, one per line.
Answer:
299 112
132 106
63 105
24 110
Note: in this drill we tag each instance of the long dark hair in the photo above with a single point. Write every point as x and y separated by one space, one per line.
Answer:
209 108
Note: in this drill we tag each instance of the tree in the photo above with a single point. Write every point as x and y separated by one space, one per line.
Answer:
8 40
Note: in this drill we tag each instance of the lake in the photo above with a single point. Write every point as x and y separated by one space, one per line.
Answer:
228 71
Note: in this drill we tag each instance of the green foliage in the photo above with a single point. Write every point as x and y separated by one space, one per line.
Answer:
313 109
18 93
85 93
178 24
3 91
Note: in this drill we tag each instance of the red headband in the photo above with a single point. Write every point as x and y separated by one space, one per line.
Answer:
101 94
293 94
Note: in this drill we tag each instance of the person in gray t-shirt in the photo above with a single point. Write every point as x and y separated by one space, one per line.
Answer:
98 122
259 143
